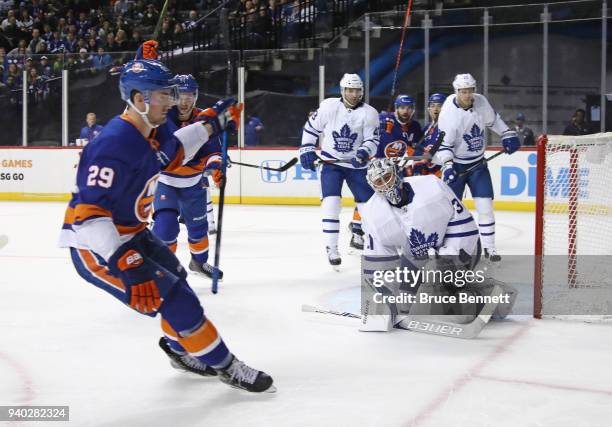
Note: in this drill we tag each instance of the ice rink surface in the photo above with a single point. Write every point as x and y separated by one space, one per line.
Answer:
64 342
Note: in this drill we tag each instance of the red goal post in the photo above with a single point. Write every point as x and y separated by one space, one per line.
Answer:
573 222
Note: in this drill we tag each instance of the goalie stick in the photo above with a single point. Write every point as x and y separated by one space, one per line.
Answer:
428 324
283 168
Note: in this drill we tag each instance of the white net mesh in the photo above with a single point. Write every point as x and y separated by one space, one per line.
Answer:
577 226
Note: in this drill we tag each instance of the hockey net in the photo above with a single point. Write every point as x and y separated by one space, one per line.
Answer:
574 228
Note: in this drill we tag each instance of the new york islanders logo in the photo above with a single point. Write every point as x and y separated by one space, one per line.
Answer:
344 141
420 244
396 149
475 139
144 202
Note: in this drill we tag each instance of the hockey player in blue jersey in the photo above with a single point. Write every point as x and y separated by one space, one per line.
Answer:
464 117
350 137
105 223
186 113
184 190
430 136
398 131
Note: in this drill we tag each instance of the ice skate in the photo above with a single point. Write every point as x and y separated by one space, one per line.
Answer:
333 256
492 255
240 375
203 269
186 362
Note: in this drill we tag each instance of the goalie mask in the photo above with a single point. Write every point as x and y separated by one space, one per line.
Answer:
351 88
384 178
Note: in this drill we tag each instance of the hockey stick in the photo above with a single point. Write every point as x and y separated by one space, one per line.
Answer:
430 325
312 309
283 168
3 240
224 160
480 163
160 20
398 59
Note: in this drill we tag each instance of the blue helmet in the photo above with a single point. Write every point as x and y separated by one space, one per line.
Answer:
436 98
186 83
404 100
144 76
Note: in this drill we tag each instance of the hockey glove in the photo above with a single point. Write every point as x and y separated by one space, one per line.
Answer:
213 169
449 175
220 115
308 157
148 50
510 141
146 284
361 158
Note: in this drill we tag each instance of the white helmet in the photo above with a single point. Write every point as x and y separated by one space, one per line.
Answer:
351 81
464 81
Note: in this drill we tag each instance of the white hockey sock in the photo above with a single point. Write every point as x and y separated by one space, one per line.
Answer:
486 221
210 214
331 207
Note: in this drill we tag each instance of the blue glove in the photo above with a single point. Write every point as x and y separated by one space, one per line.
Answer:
223 104
146 282
308 157
449 174
361 158
510 141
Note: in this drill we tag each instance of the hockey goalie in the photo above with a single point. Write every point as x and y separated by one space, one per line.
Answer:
422 249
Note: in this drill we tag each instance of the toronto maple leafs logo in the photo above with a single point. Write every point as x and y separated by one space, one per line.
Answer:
344 141
475 139
419 244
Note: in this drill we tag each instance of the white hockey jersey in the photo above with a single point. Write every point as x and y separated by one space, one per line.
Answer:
344 130
464 141
434 218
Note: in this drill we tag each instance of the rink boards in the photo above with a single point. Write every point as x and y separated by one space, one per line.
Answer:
48 174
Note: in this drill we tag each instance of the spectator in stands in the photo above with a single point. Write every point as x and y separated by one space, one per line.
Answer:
36 86
82 24
92 45
84 62
47 33
102 60
56 44
189 24
13 71
525 134
120 7
578 124
111 45
252 131
46 69
149 19
34 42
91 130
41 48
70 43
5 22
25 21
135 41
121 41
